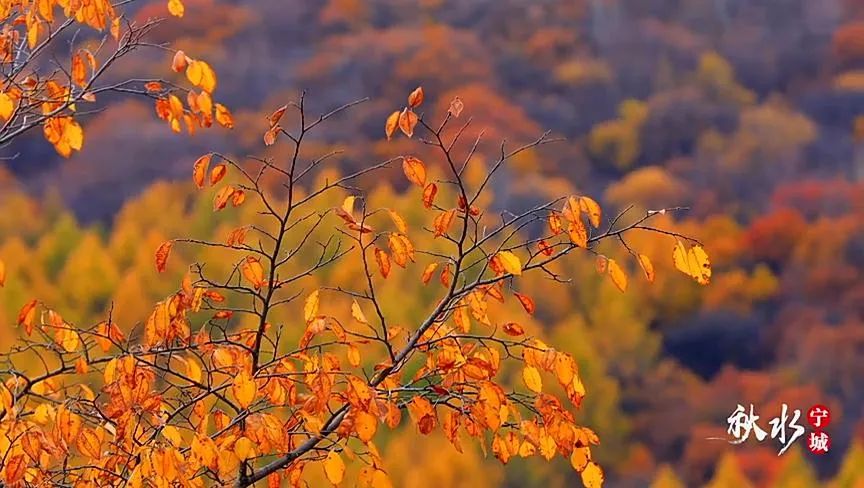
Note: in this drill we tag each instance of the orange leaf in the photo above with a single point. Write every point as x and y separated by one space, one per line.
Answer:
617 275
526 301
414 170
531 378
15 469
383 260
391 124
200 74
443 221
162 254
545 248
27 315
334 468
223 116
222 197
592 476
253 271
397 219
2 273
199 169
276 116
428 272
416 97
238 197
429 194
578 233
180 61
513 329
555 223
244 389
219 171
407 121
365 424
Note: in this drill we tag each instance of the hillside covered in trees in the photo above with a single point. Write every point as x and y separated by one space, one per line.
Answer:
747 112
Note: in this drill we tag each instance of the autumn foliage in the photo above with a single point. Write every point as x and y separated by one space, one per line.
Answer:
210 390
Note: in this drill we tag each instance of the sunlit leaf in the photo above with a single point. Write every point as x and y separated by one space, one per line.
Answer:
310 308
391 124
253 271
357 313
244 389
416 97
176 8
162 253
647 267
407 121
510 262
414 170
619 278
334 468
199 169
179 62
592 209
428 272
592 476
531 378
217 173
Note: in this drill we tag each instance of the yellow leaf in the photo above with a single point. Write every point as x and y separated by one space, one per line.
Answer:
253 271
592 208
173 435
310 308
353 355
592 476
532 380
223 116
348 205
334 468
398 221
365 424
427 273
580 458
617 275
414 170
647 267
511 262
244 448
244 389
7 106
200 74
578 233
175 8
693 263
357 313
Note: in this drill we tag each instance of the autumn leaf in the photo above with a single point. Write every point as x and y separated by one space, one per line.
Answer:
199 169
244 389
647 267
617 275
456 107
531 378
276 116
580 458
526 301
416 97
7 106
578 233
162 253
555 225
2 273
310 308
592 209
592 476
179 62
238 197
222 197
428 272
407 121
510 262
513 329
334 468
223 116
365 424
357 313
693 263
200 74
398 221
217 173
443 221
383 260
429 193
26 316
414 170
391 124
253 271
176 8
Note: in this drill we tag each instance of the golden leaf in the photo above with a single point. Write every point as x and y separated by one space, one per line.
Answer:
244 389
592 208
222 197
510 262
176 8
416 97
647 267
428 272
383 260
617 275
199 170
391 124
334 468
578 233
531 378
217 173
398 221
429 194
2 273
365 424
7 106
310 308
357 313
693 263
407 121
223 116
592 476
414 170
253 271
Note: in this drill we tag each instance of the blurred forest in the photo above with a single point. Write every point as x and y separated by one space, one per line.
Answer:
745 111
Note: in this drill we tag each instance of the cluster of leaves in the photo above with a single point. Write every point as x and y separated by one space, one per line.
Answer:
38 89
225 398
